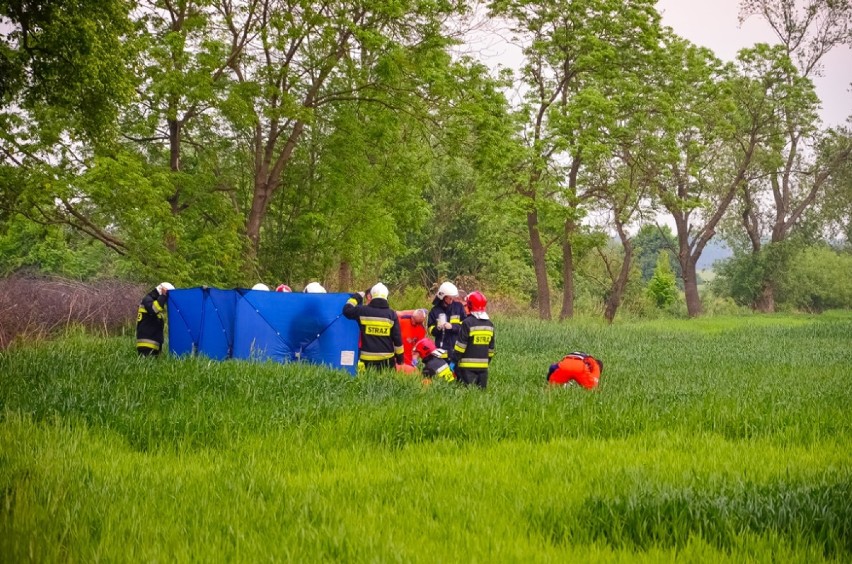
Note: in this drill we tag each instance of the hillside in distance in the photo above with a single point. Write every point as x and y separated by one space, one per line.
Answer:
714 251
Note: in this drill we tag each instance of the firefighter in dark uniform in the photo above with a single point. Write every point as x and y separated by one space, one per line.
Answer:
433 365
381 337
474 348
150 320
445 318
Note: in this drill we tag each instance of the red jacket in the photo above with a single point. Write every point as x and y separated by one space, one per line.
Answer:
410 333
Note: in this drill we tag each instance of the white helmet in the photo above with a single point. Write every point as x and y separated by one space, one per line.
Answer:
447 289
314 288
260 286
165 286
379 291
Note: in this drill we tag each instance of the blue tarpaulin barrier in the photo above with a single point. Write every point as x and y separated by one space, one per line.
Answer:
260 325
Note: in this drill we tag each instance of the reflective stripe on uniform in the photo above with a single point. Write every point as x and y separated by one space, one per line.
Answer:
473 363
446 374
148 344
372 356
378 326
481 330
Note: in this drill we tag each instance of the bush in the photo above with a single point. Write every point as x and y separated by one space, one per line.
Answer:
813 278
662 288
819 280
33 307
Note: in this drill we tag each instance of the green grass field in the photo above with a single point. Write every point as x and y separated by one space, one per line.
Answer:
715 439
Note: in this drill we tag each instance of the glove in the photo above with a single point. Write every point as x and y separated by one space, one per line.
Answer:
162 300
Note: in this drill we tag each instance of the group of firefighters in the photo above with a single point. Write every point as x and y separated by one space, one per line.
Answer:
458 342
454 341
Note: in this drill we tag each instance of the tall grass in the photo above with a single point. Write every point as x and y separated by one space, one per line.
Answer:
709 439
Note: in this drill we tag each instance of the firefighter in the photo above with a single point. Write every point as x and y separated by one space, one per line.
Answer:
381 337
445 318
474 348
433 364
150 320
577 367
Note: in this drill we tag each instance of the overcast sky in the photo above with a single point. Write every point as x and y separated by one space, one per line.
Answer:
710 23
714 24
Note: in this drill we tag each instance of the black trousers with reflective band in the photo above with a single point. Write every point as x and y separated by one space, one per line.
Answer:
380 364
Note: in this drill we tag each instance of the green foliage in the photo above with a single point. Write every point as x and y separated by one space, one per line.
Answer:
818 280
200 245
807 278
701 443
51 249
363 142
835 210
352 195
662 288
743 276
66 63
648 243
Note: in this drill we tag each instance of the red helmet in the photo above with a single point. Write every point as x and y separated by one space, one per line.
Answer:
424 347
283 288
476 301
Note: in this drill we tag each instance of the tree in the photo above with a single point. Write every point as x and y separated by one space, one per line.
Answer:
225 96
306 56
134 187
357 184
621 192
792 179
711 119
571 50
65 72
835 210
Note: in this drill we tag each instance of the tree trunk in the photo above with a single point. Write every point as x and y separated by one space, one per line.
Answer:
259 203
540 265
620 283
567 273
690 286
174 145
765 302
344 277
267 180
174 166
567 247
